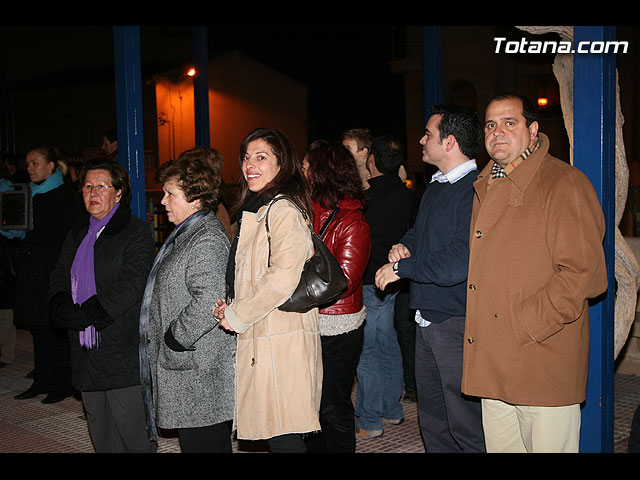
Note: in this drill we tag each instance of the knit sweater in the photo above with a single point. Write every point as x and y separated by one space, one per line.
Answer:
439 246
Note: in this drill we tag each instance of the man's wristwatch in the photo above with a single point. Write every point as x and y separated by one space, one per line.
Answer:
395 268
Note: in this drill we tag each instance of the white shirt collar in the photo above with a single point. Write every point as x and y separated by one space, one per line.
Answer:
455 174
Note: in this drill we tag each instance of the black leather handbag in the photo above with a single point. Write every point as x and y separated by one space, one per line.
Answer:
322 280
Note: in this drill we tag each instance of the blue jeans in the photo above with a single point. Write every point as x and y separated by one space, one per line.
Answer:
380 378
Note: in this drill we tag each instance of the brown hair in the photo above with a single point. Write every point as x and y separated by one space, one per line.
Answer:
289 180
196 174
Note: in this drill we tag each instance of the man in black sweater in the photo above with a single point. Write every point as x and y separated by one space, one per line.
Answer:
388 211
434 255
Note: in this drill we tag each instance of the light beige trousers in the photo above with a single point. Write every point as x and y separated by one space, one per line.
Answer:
525 429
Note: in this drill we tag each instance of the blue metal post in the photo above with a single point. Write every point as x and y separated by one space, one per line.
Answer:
201 86
126 42
433 73
594 116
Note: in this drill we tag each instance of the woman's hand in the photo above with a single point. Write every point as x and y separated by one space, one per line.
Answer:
218 314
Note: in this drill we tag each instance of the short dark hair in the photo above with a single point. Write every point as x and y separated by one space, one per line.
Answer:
333 174
119 177
528 112
111 134
463 124
195 175
388 154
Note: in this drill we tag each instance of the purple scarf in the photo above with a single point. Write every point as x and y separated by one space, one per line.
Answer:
83 280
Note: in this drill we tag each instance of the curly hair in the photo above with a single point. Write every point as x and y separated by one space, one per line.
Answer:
196 175
332 174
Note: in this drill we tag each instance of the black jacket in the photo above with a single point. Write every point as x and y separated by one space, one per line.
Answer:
389 210
123 256
7 274
53 214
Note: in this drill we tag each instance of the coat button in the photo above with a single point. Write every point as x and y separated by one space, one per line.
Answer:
472 287
478 234
471 339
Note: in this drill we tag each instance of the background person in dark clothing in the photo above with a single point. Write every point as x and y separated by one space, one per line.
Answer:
54 210
7 286
110 145
15 173
388 211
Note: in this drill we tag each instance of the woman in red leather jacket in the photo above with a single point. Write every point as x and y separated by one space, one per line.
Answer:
335 185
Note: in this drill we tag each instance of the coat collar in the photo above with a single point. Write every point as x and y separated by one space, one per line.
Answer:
521 177
183 236
118 222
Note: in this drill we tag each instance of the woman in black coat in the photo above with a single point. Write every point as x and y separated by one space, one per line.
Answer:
96 292
54 208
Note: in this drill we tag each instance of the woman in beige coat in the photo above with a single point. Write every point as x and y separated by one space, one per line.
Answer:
279 362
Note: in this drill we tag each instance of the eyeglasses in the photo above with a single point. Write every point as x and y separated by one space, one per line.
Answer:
98 188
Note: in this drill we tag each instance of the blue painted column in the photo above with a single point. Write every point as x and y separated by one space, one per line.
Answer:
594 138
201 86
126 46
433 73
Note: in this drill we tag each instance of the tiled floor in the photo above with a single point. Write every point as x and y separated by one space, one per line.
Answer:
28 426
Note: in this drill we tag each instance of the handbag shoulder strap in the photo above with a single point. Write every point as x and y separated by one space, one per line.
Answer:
291 200
326 224
266 221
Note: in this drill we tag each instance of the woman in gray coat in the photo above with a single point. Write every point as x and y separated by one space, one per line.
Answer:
185 356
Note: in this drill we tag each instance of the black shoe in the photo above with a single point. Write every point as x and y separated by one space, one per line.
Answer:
410 395
55 397
3 364
30 393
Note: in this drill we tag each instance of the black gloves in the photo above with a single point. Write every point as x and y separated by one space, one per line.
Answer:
95 313
66 314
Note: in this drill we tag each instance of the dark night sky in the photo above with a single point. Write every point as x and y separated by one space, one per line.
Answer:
345 67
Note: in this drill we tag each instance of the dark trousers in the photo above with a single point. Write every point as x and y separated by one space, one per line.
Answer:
340 354
449 420
116 420
210 439
51 359
634 433
405 324
290 443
